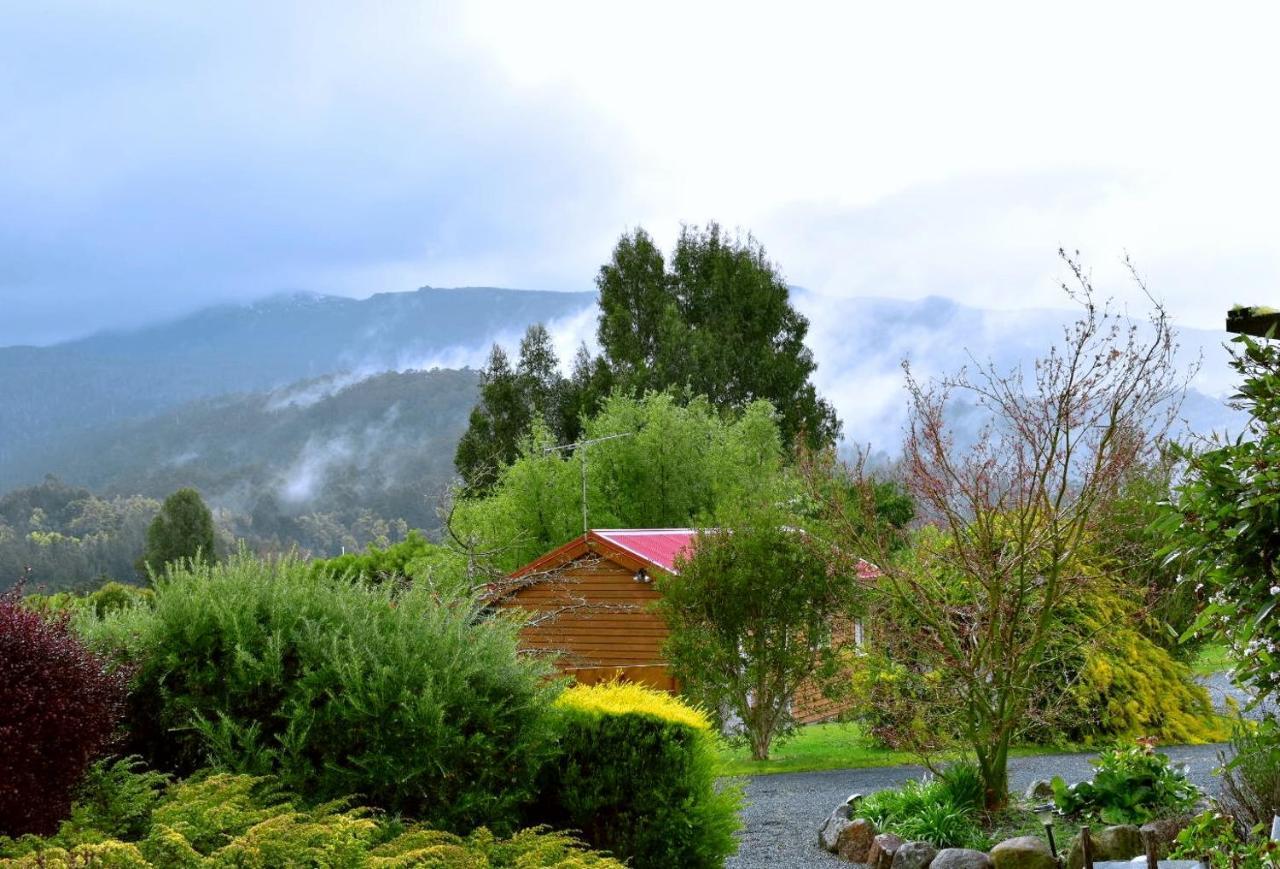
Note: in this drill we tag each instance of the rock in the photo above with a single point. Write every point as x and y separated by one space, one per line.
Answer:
854 842
829 833
914 855
1163 833
1024 852
852 801
960 858
1113 843
1039 791
1118 843
883 847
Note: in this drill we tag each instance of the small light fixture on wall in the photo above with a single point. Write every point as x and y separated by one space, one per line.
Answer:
642 575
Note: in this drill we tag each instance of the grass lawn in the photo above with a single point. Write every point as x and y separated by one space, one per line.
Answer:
1211 659
815 747
838 746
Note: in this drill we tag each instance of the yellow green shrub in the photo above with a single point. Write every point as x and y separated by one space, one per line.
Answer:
237 820
1123 684
636 773
99 855
626 698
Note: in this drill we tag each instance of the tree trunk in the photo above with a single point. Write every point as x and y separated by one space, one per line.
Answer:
759 732
993 766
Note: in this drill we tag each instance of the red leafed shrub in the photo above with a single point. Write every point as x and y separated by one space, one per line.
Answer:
59 705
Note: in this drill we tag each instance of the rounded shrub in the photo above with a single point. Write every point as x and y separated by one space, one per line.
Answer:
59 705
415 702
636 775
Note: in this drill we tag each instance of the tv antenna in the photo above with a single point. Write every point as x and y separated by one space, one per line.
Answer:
584 445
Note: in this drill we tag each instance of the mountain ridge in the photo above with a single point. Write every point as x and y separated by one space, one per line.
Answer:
50 393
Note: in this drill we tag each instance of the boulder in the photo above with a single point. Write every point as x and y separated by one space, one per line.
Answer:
914 855
1122 842
1039 791
829 832
1024 852
1163 833
883 847
960 858
854 842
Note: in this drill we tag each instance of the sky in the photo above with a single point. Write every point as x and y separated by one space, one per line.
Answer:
161 157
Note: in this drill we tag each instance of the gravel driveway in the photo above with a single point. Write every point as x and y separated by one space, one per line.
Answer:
783 811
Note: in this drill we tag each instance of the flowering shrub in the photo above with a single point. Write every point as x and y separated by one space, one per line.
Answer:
59 704
1133 784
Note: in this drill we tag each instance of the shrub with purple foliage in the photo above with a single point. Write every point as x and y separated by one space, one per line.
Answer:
59 705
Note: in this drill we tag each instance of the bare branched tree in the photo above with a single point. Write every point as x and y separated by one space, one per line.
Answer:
1015 508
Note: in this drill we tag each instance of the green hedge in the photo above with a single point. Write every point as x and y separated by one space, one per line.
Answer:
415 702
636 775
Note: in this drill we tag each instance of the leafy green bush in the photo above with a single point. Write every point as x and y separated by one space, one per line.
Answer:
107 598
412 559
1250 791
944 812
1214 837
1133 784
1103 679
414 700
238 820
636 774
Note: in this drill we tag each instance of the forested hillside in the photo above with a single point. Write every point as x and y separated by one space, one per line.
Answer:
309 420
49 395
320 465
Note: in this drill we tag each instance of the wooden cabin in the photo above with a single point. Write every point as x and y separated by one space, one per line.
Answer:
591 601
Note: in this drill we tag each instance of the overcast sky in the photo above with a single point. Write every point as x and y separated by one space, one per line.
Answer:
160 156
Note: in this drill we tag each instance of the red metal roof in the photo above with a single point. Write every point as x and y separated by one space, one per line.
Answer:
655 547
658 546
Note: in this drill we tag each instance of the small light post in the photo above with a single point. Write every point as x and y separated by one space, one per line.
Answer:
1045 814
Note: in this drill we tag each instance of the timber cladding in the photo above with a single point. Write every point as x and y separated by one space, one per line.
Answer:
592 607
595 613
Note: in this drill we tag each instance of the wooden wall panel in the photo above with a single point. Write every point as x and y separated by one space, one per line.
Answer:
597 615
599 624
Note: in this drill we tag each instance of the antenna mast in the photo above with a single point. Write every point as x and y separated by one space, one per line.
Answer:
583 465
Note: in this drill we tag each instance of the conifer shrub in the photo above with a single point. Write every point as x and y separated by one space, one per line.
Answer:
415 701
59 706
116 798
239 820
636 775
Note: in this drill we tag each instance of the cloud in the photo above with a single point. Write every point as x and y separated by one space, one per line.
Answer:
158 157
174 156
